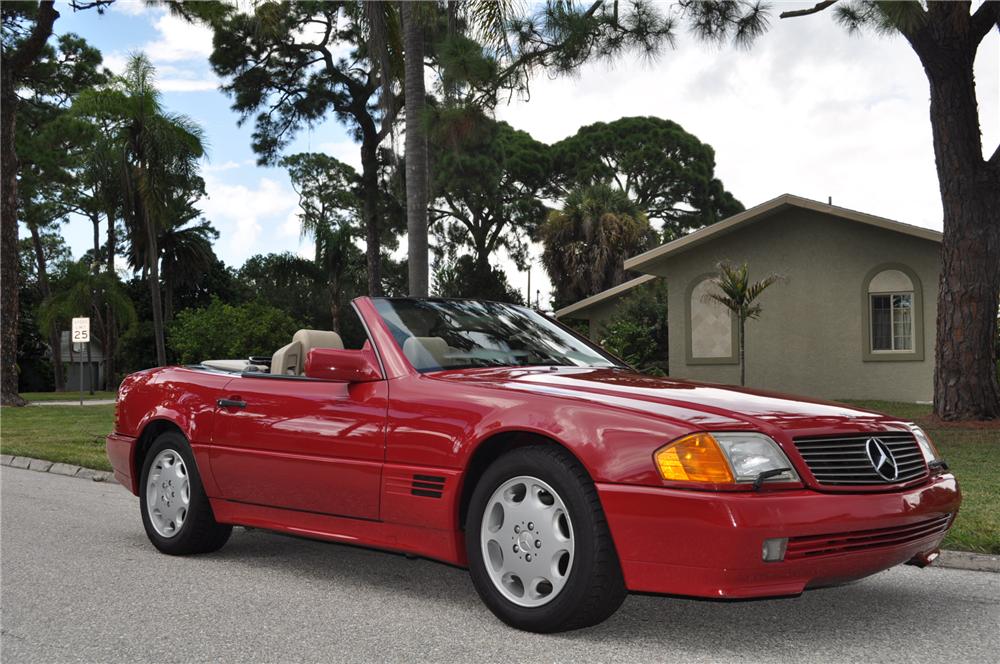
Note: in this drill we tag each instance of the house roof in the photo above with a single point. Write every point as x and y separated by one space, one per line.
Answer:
644 261
586 303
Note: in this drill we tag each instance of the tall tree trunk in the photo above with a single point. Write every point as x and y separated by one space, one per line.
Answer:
55 342
12 63
111 340
153 275
743 353
965 381
416 151
333 287
95 220
107 349
370 206
168 299
90 368
112 247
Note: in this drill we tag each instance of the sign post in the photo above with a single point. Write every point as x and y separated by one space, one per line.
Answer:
81 336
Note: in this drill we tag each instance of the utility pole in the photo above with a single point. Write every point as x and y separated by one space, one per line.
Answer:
527 299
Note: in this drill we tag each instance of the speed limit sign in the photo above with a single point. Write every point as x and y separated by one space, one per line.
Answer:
81 330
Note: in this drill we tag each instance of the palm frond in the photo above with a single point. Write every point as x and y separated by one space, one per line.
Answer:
737 293
490 21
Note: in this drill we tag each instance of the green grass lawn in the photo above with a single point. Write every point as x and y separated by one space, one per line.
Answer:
70 434
973 453
75 434
65 396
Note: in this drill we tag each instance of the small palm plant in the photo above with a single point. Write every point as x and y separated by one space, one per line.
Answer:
739 295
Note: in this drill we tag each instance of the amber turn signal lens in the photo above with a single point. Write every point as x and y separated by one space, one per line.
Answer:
694 458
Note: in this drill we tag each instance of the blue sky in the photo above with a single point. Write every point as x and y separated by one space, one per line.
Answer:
253 207
810 110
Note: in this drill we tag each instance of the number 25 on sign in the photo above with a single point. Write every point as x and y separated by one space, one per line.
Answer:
81 330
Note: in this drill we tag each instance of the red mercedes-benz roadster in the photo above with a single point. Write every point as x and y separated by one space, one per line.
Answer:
489 436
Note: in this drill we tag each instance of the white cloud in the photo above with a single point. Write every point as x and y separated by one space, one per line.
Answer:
808 110
115 61
179 40
225 166
346 151
130 7
186 84
249 219
180 54
293 228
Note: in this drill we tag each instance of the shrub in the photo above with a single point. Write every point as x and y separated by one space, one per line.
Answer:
229 331
637 333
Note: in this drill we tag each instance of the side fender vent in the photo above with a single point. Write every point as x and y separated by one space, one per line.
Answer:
428 486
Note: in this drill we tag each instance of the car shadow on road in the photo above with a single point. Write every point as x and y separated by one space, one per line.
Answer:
819 618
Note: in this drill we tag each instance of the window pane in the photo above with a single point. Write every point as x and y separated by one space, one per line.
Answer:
881 315
902 322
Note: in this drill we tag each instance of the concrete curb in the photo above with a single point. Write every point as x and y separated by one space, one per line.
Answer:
978 562
69 470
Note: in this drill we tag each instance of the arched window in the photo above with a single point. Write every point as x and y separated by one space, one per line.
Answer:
711 335
893 314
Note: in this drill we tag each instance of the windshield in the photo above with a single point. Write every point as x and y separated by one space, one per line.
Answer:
462 334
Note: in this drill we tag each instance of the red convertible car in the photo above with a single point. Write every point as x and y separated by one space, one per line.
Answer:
489 436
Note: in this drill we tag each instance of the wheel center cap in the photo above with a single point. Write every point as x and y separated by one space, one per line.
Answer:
524 541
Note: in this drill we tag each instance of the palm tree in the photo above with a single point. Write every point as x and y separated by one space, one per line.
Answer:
586 242
41 267
487 20
159 153
330 213
738 294
100 296
417 170
186 252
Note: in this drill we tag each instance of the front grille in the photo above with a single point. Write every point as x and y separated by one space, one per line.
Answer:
859 540
843 460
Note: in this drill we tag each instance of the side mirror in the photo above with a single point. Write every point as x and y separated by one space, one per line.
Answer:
345 366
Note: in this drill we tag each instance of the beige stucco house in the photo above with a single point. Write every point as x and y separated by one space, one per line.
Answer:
853 316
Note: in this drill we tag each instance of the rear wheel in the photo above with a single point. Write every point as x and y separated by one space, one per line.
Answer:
540 553
175 510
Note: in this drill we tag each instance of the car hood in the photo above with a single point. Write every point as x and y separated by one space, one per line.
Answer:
704 405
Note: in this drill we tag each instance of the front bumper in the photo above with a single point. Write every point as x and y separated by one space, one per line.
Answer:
708 544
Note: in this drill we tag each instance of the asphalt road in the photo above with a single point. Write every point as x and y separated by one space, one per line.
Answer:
80 582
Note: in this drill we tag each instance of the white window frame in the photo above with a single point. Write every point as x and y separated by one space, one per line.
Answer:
892 322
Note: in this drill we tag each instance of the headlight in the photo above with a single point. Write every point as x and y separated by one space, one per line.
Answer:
751 454
723 458
924 441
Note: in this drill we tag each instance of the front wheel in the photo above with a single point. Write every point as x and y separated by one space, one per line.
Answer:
540 553
175 510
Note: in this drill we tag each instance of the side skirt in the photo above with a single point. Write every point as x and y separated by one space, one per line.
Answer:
443 545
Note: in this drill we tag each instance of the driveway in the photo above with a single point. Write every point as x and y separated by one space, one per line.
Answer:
81 583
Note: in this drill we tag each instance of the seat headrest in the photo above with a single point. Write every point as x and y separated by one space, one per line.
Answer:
290 359
426 352
317 339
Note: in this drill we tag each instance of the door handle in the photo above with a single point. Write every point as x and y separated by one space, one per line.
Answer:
231 403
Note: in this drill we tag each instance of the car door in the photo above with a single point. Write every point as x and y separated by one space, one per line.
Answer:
302 444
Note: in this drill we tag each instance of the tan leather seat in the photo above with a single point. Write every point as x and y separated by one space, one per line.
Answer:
290 360
426 352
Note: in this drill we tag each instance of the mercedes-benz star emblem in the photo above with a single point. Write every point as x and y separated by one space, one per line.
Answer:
882 460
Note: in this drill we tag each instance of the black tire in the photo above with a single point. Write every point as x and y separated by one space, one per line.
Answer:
199 532
595 588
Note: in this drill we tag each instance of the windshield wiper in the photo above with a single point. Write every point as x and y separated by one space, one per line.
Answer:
768 474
